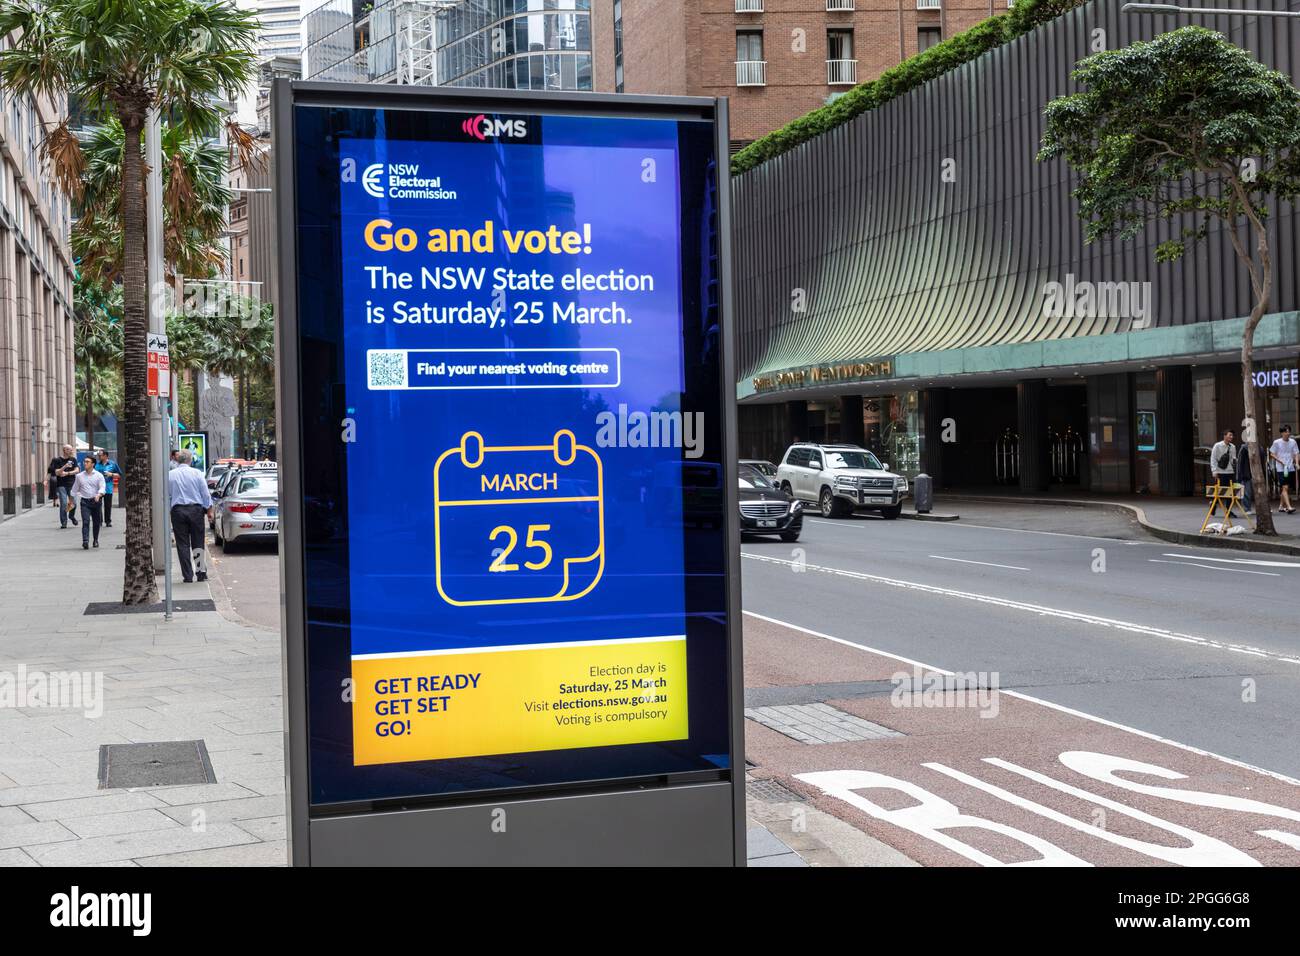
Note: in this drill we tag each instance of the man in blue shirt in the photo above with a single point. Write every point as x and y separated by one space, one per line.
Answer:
187 490
108 468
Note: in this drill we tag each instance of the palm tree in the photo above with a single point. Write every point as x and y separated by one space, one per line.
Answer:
245 350
194 202
126 58
97 342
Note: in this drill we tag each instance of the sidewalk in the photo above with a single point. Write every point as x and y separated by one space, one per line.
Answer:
199 677
1172 519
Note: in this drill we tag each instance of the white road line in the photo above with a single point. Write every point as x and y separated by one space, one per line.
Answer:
1254 561
1060 708
1076 616
1210 567
987 564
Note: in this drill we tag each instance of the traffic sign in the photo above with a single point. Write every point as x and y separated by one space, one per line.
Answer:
159 377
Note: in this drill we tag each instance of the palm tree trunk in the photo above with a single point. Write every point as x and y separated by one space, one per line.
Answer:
138 586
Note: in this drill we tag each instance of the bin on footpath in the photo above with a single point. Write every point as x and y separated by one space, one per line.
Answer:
923 494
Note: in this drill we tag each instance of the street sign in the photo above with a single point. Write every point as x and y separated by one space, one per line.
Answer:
159 365
508 478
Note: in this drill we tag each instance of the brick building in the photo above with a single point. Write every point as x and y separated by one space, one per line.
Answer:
36 319
775 59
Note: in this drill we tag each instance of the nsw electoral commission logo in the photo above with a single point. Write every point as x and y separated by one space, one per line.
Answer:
483 128
396 181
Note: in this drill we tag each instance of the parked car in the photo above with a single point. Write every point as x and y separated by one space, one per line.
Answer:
765 508
227 481
841 479
250 508
215 473
766 467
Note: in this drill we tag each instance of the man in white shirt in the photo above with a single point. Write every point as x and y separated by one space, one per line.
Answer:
88 491
1285 455
187 490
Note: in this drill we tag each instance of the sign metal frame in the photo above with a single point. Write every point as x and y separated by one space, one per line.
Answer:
663 822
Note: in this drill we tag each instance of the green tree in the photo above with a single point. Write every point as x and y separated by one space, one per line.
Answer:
97 346
125 58
244 350
1191 130
194 202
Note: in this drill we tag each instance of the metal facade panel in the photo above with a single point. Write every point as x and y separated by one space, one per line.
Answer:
894 260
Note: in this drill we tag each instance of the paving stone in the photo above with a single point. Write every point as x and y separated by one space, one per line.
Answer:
129 846
112 801
229 811
250 854
31 834
16 857
111 824
201 793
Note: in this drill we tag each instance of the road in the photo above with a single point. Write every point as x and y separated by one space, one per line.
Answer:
1163 638
1088 643
1075 653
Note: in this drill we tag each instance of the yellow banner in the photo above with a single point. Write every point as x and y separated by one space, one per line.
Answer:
485 701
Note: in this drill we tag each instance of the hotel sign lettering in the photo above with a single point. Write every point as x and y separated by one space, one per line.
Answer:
812 375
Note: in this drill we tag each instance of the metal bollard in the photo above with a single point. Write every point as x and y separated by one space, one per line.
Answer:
923 494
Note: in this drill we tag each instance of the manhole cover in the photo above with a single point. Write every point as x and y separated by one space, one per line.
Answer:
818 723
162 764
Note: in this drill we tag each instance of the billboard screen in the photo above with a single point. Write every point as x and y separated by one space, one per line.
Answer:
513 485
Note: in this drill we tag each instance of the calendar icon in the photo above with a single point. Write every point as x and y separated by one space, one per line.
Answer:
518 524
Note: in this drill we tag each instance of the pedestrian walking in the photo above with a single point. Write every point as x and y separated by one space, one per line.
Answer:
112 476
1285 454
187 490
1223 463
88 492
63 472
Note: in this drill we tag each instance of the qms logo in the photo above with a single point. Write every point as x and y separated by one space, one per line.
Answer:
482 128
370 180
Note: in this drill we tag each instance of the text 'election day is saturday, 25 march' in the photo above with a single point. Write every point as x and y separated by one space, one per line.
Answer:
512 590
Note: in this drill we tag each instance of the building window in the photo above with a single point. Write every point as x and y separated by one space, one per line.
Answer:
841 67
618 46
927 37
751 68
749 46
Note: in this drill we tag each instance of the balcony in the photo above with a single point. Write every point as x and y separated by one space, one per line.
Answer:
749 6
751 72
841 72
839 6
928 4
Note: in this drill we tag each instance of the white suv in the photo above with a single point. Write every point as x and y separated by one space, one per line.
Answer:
841 479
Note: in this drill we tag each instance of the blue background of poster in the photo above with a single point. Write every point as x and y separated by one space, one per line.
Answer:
562 181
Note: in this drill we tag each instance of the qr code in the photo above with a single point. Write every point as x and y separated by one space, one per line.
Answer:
387 368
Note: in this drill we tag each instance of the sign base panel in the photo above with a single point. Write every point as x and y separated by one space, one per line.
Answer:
661 826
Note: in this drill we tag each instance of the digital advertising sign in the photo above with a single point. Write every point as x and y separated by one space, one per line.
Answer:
508 475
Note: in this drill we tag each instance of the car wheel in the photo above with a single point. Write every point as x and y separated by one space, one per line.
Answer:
227 546
785 486
830 505
216 532
789 537
889 514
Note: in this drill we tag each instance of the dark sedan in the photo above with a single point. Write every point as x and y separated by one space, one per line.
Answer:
765 508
